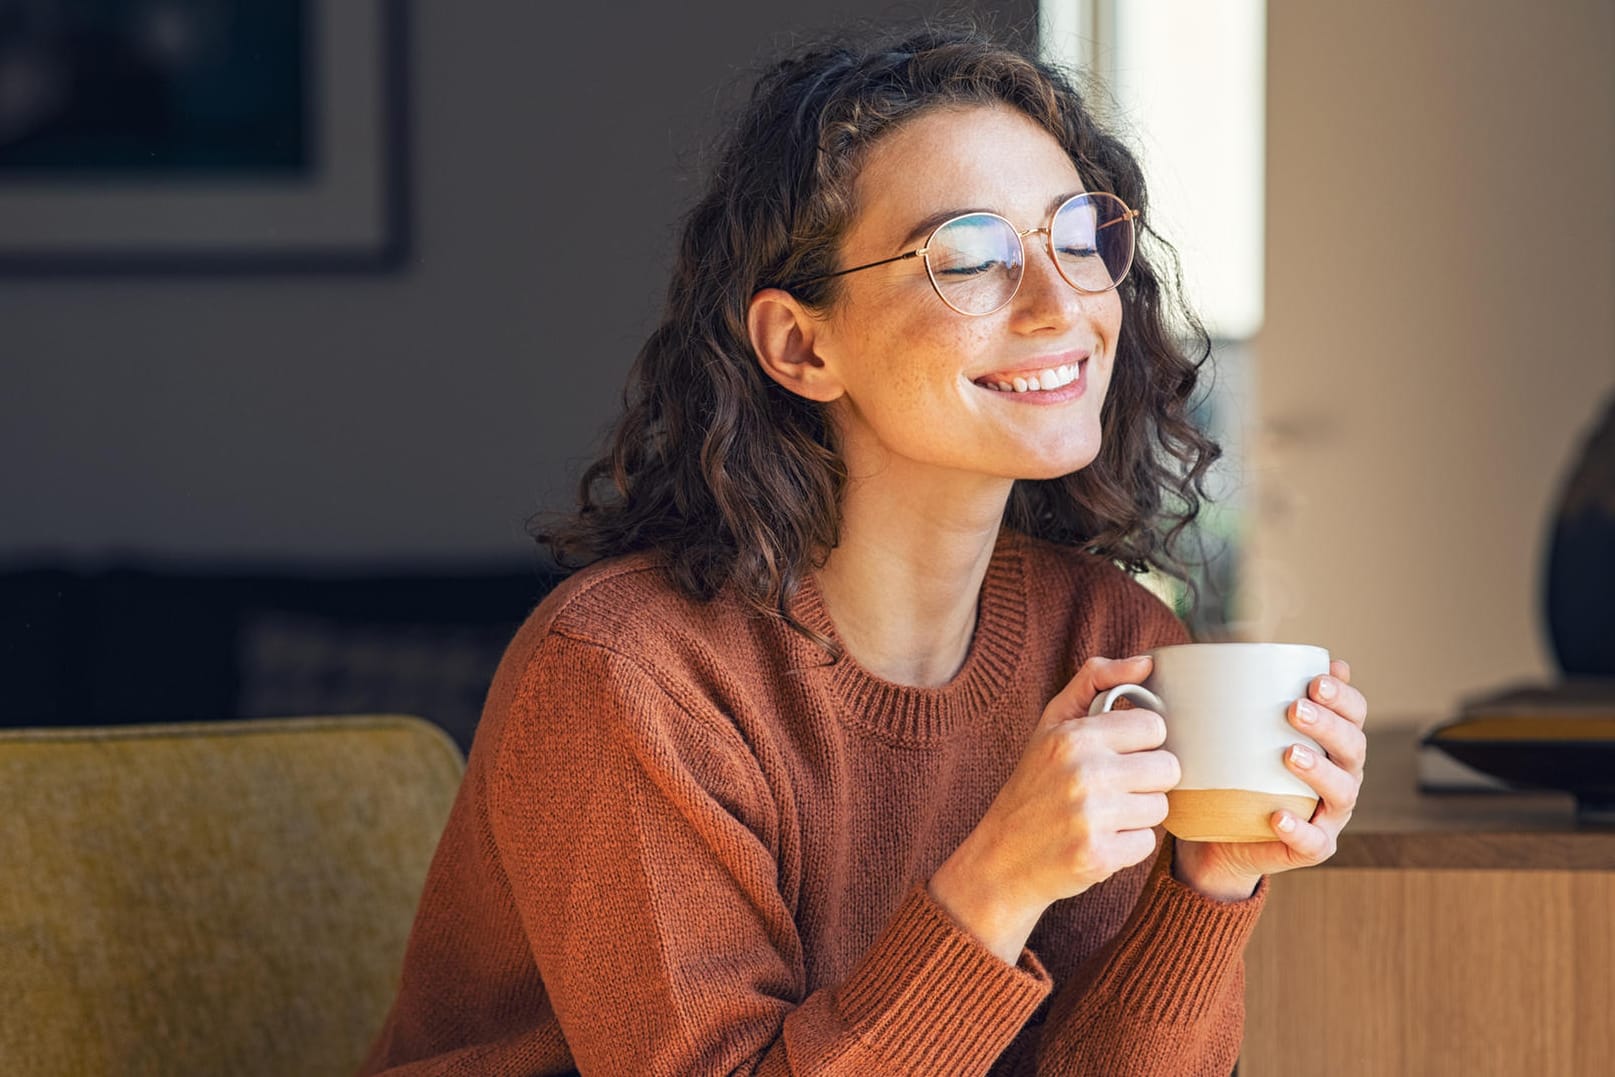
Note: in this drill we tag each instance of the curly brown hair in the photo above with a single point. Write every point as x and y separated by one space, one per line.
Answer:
737 481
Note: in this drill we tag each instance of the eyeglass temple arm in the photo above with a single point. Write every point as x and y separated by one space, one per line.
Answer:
867 265
1129 215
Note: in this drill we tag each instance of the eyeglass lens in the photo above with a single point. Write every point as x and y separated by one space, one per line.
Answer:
976 261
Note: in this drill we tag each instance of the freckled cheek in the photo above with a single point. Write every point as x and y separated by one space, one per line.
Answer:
924 351
947 343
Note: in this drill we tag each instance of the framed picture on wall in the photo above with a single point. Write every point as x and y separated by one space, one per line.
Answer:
207 135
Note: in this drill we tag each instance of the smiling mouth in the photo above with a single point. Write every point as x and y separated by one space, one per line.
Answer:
1034 381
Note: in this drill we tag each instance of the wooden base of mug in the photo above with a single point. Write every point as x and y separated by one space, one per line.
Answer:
1230 814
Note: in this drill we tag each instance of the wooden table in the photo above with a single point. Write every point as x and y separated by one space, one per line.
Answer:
1450 934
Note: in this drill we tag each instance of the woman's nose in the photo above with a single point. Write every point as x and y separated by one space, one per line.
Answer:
1044 293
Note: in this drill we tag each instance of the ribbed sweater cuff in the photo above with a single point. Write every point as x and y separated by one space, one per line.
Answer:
932 998
1179 948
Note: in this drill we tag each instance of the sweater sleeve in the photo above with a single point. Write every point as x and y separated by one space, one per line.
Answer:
1164 996
637 834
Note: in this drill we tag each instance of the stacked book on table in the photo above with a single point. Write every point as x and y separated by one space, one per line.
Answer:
1575 712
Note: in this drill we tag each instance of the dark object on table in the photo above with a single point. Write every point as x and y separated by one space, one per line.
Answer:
1544 737
1580 585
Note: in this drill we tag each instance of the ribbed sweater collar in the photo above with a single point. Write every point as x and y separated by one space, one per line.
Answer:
921 715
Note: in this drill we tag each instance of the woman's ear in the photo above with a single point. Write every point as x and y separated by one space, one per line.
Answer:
784 335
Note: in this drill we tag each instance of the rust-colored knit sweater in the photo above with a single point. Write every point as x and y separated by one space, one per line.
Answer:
685 844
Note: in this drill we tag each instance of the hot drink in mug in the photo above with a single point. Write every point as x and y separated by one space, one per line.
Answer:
1225 706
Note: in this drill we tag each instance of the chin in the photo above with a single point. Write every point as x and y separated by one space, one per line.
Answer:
1050 473
1059 467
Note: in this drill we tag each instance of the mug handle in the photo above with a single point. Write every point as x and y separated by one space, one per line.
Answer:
1136 692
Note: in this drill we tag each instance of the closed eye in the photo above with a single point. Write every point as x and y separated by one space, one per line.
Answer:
972 270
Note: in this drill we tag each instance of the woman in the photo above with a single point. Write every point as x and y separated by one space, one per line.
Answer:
796 776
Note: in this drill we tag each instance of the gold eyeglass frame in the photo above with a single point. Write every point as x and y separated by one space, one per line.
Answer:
1128 215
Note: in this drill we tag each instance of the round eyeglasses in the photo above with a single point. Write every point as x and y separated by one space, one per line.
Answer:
976 261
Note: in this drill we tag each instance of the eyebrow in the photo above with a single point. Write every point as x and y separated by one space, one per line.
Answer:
932 220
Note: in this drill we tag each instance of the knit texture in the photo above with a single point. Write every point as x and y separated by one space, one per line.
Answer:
687 843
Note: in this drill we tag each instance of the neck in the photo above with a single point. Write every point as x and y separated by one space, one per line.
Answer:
902 587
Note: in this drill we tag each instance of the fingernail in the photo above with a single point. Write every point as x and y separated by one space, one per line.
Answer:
1302 756
1305 712
1286 823
1326 689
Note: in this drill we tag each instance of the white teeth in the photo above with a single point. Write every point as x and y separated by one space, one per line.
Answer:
1052 378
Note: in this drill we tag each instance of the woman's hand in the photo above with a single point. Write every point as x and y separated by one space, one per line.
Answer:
1231 870
1078 808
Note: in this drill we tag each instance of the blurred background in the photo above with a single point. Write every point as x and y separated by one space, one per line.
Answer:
308 306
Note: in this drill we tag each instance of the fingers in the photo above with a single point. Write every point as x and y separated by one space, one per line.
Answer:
1136 730
1139 811
1096 675
1338 695
1307 843
1150 772
1131 845
1333 715
1343 739
1147 772
1335 787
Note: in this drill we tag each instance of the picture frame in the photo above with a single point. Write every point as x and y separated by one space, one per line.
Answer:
338 202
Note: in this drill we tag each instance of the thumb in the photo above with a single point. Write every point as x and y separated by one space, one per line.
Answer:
1096 675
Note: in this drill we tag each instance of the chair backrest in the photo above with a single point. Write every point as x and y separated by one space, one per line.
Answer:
211 898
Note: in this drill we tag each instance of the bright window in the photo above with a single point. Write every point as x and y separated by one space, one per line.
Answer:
1188 79
1184 83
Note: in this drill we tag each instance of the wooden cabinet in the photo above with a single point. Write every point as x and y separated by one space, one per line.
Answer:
1450 934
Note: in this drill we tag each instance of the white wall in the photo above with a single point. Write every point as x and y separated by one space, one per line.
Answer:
1440 330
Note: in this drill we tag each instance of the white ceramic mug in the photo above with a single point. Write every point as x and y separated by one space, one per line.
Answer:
1226 709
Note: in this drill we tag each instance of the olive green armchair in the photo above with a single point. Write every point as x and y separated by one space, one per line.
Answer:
211 898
